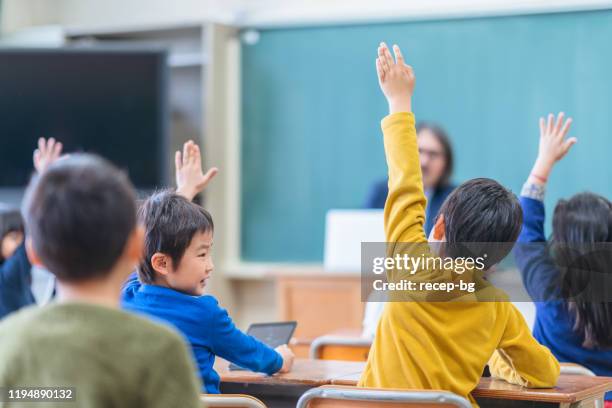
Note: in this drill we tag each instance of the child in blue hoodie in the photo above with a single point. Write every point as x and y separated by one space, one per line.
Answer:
173 274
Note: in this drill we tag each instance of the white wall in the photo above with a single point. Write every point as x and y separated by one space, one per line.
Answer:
89 14
18 14
264 13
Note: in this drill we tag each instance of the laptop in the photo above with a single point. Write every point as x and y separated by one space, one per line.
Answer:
345 230
271 334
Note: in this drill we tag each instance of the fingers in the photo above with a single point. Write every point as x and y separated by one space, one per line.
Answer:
178 160
380 71
186 152
384 64
36 158
197 156
567 145
557 127
42 145
210 174
57 150
50 147
549 124
388 55
398 55
559 122
565 128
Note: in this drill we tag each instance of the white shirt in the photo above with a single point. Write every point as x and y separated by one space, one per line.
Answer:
43 285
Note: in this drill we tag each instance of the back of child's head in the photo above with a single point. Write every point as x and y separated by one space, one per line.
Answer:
582 231
10 222
170 222
584 218
79 215
482 211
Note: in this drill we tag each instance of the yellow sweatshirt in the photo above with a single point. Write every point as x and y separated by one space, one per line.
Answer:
442 345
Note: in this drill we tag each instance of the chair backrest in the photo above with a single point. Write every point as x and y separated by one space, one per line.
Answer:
336 396
340 348
576 369
230 401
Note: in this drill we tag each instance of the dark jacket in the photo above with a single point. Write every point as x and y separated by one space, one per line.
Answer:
380 190
15 283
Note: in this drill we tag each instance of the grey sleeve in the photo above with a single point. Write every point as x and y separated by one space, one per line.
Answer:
533 191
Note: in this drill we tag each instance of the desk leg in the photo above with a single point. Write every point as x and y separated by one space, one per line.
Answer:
593 402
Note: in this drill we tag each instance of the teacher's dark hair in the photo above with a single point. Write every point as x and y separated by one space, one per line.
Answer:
442 137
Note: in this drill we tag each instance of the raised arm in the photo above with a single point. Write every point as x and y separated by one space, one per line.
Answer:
190 178
405 205
537 268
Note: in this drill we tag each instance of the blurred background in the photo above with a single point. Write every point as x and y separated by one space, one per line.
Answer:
283 98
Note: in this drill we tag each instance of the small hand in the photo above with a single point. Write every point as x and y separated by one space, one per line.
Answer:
287 356
396 79
553 145
190 179
48 152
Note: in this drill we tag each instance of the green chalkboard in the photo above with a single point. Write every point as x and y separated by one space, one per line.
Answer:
311 111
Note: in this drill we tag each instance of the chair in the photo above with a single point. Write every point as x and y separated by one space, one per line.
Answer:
337 396
576 369
230 401
340 348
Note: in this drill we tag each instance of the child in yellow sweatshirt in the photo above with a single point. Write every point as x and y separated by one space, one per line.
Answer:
445 345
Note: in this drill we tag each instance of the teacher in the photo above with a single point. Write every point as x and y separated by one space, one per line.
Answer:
436 157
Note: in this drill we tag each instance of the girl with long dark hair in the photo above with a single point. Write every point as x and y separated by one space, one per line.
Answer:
569 277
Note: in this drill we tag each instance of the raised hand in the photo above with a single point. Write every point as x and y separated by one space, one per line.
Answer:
190 179
396 79
48 152
553 145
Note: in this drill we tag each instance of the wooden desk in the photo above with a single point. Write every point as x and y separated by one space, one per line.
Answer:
571 391
283 390
312 373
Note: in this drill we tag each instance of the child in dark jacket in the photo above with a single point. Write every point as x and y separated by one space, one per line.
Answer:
16 278
572 320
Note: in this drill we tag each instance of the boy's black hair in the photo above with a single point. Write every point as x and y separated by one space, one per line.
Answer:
580 226
482 211
170 222
79 215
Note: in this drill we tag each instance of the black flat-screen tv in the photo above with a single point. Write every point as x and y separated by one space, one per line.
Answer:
106 101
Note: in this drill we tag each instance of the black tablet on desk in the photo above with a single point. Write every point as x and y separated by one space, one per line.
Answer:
271 334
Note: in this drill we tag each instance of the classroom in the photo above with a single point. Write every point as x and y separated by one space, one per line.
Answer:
264 203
